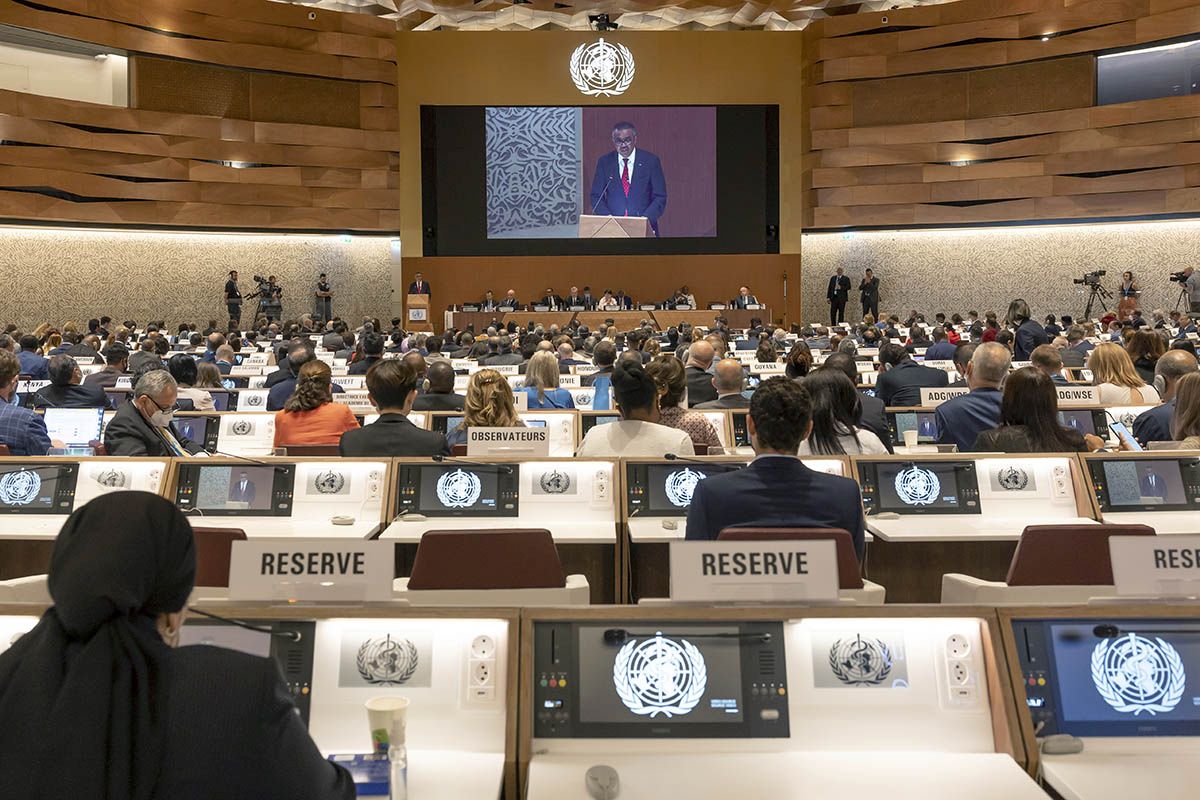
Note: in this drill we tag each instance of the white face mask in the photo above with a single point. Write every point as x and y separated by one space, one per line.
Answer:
160 418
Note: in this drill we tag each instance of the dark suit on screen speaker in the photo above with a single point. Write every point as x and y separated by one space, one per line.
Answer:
647 196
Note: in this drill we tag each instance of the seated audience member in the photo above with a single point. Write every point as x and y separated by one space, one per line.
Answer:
372 350
104 662
146 354
224 359
542 383
298 355
208 377
1046 358
604 356
566 357
727 379
668 375
1155 425
836 410
1029 333
33 364
489 404
1185 427
116 358
1119 383
1029 420
143 426
902 379
638 432
1075 353
799 360
185 372
765 354
392 387
874 414
440 396
65 389
310 416
1145 348
942 348
503 355
962 356
1008 339
23 431
780 419
961 419
699 379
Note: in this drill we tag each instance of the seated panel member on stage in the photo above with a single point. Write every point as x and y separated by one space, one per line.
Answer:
148 719
550 300
780 419
638 432
744 298
392 387
510 301
629 182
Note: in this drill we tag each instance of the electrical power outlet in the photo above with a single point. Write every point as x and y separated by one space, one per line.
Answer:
483 647
960 674
958 646
482 673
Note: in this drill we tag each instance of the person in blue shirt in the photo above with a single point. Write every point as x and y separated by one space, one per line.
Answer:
941 350
1047 358
541 383
1155 425
1029 334
776 490
33 363
23 431
961 419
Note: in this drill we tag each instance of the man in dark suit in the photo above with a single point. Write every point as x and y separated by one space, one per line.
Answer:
902 379
780 419
574 299
962 357
1029 332
243 490
143 427
279 393
699 379
233 297
1075 353
33 363
116 357
727 380
1155 425
1152 484
629 182
419 286
837 294
440 395
874 414
551 300
868 292
589 302
604 356
392 387
961 419
744 299
488 303
65 390
372 347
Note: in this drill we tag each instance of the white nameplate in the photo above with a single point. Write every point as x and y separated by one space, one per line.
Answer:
504 369
508 442
759 368
520 400
937 396
585 369
311 569
25 387
944 364
1156 566
246 370
766 571
460 364
1021 364
569 381
1078 396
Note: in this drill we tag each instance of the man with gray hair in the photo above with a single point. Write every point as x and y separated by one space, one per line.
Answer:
1155 425
727 380
65 390
961 419
143 426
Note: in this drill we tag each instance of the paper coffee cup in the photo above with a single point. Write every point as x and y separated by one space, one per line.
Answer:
910 438
386 719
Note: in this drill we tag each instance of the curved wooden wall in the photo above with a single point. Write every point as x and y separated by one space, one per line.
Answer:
961 113
306 109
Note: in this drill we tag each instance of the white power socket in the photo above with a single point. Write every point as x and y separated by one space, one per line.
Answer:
962 685
958 646
483 647
482 672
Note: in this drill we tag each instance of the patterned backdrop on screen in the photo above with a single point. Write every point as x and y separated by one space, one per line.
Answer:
533 178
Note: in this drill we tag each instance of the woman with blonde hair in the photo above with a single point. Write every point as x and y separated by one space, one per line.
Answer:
208 376
1185 424
669 377
310 416
541 383
53 342
1119 383
488 404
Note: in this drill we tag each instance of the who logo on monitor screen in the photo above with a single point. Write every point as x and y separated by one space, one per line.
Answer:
601 69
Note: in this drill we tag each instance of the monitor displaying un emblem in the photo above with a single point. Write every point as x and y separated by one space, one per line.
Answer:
601 69
1135 674
917 487
860 662
387 661
680 485
459 489
19 488
659 676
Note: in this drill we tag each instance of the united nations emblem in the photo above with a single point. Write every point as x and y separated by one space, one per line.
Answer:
555 482
1012 479
860 662
243 427
19 488
112 478
1135 674
255 400
329 482
681 485
1127 420
459 489
659 676
387 661
602 69
583 400
918 487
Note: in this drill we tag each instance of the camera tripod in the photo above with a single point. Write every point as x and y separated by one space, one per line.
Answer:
1184 299
1099 295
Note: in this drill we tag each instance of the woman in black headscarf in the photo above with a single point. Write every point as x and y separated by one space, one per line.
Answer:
96 705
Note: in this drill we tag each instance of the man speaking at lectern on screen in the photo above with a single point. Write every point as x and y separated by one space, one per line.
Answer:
629 182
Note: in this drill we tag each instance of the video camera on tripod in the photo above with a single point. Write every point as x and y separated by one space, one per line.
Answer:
1091 278
1098 293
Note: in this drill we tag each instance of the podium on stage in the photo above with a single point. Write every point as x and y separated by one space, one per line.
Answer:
417 315
596 226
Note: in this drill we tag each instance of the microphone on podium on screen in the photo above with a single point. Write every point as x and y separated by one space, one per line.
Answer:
602 194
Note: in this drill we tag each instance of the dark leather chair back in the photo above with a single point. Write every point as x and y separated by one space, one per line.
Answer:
213 546
849 573
311 450
1067 555
512 558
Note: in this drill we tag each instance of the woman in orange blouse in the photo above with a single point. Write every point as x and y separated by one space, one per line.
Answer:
310 416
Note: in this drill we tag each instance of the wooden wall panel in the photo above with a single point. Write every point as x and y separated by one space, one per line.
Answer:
244 114
984 111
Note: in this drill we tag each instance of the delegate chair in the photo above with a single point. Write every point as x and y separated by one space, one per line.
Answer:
851 585
213 554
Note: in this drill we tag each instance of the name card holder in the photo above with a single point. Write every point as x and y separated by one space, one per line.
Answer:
1069 396
508 442
311 570
931 398
1156 566
775 571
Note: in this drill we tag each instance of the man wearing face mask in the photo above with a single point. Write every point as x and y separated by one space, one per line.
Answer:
22 430
143 427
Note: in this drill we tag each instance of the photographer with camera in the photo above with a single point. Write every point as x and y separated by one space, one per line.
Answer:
1190 281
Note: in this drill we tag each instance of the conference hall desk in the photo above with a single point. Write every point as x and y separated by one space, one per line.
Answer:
482 319
1141 735
1159 488
38 493
624 320
461 731
737 318
931 514
1085 419
575 499
904 703
249 434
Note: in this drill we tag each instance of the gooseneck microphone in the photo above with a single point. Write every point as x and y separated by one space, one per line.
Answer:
715 464
616 636
603 194
505 468
293 636
1109 631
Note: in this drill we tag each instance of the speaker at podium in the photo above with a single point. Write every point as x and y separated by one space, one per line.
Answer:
417 313
606 226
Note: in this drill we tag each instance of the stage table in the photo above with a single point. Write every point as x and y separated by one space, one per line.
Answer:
737 317
482 319
624 320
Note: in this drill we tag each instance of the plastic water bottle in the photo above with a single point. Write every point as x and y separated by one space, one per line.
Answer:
398 771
